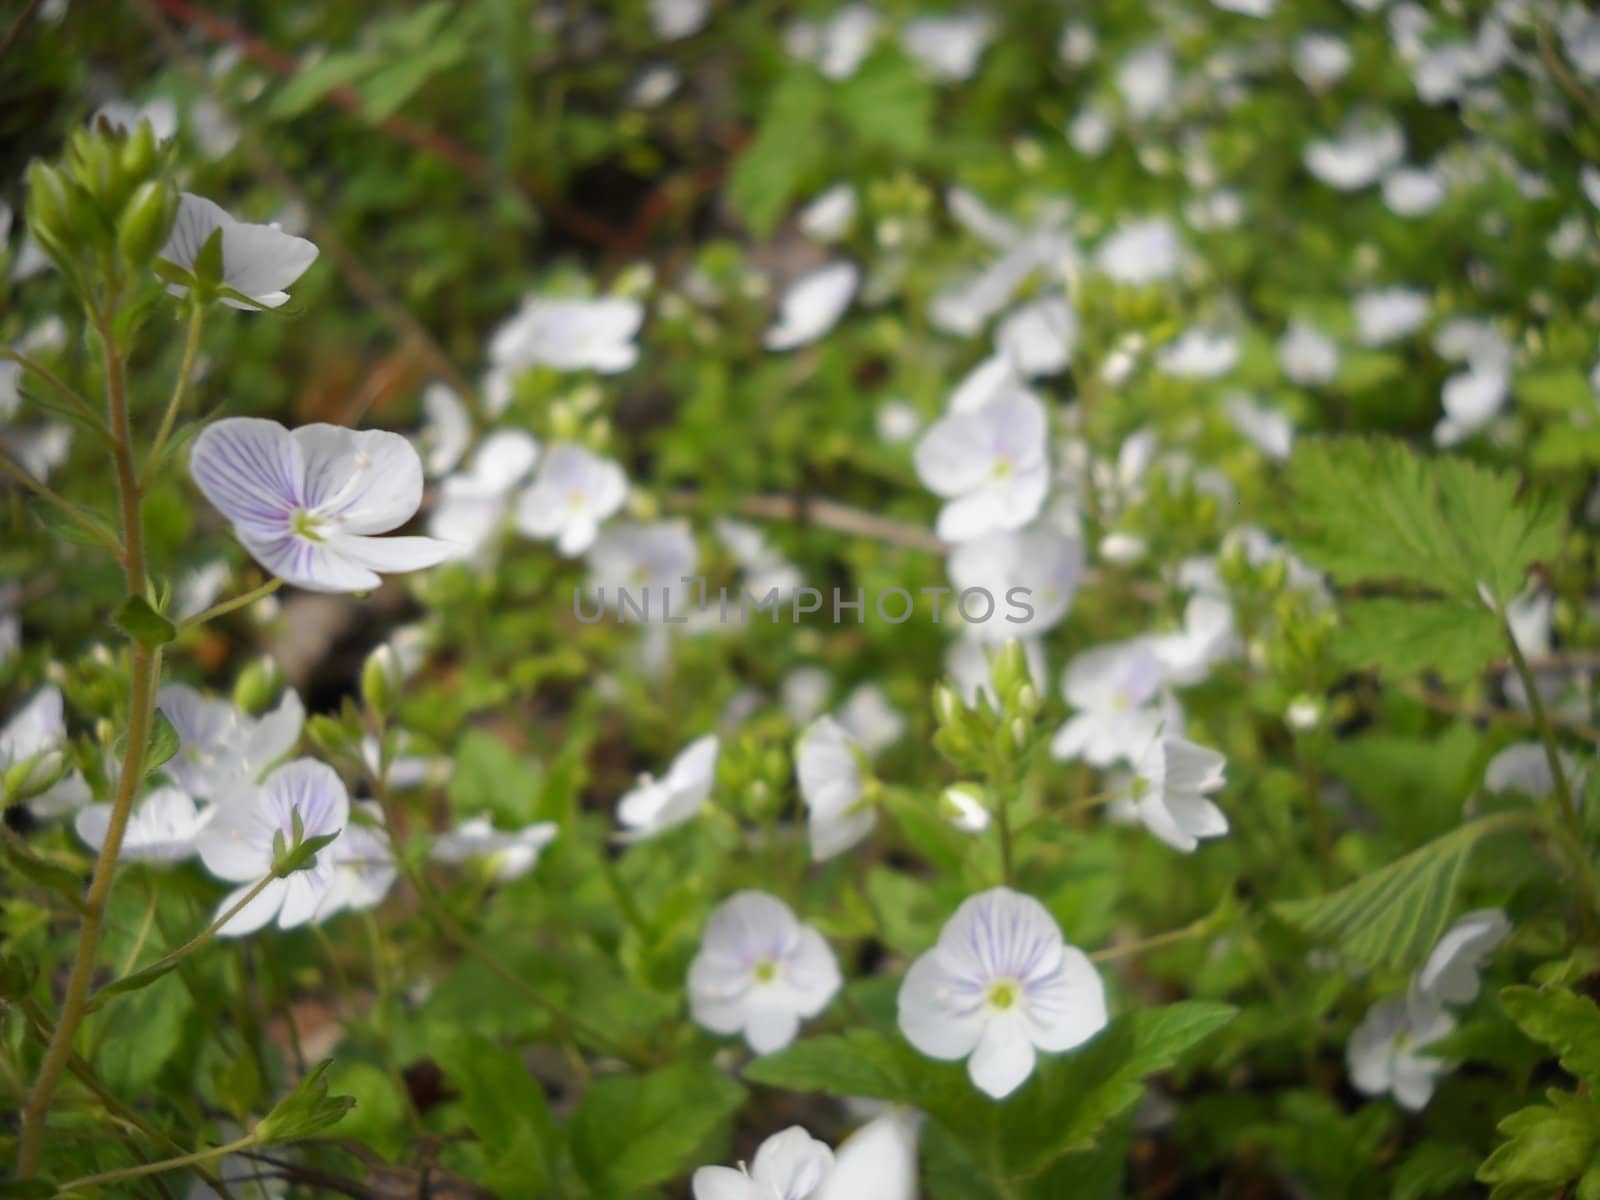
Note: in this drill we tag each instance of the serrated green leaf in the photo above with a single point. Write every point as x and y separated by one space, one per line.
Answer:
1391 917
632 1131
490 777
1501 532
1405 637
1563 1020
507 1111
787 147
1548 1145
888 103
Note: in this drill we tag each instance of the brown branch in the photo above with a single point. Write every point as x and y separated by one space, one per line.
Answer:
1451 706
15 31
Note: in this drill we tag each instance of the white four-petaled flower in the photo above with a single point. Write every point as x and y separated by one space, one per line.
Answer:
573 493
833 784
656 805
1000 985
258 261
302 798
509 854
1171 792
306 503
759 972
989 465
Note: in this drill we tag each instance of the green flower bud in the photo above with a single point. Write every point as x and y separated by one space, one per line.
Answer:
146 221
380 681
139 155
256 686
49 205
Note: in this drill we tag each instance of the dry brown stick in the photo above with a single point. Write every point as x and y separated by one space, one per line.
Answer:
1451 706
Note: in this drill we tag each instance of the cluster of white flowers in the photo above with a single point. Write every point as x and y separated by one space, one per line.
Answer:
878 1161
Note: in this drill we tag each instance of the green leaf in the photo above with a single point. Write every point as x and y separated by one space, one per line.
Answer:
163 744
143 624
1565 1021
306 1111
1403 638
52 876
140 1037
1392 916
1546 1145
633 1131
506 1108
1371 510
788 146
1557 391
888 102
321 77
490 777
1076 1094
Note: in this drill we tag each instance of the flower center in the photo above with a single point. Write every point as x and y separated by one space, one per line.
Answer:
1004 994
766 971
1002 469
305 524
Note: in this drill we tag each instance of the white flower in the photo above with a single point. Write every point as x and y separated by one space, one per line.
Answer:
363 865
1171 792
1038 337
1262 424
876 1162
1045 246
237 845
258 261
964 806
674 19
305 503
1147 79
1140 252
401 771
1383 1054
812 305
1321 59
897 422
1030 577
641 569
573 494
1413 191
1450 974
200 588
766 569
1366 148
1090 131
1000 985
37 732
828 762
125 115
163 827
1207 637
1199 354
869 718
1247 8
759 972
510 854
1384 315
220 749
829 217
1524 767
446 430
569 335
1307 355
948 46
471 504
804 693
836 47
990 466
790 1165
1116 690
656 805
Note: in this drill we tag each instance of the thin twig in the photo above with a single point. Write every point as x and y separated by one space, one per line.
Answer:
1451 706
15 31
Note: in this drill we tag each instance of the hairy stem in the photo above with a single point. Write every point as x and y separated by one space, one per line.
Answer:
144 675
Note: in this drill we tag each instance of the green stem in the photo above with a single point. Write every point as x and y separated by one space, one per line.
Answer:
171 959
228 606
191 345
144 676
626 904
1571 833
93 525
61 386
1172 936
158 1168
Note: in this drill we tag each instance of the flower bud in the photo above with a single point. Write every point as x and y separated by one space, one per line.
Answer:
381 680
49 205
138 156
146 221
966 806
256 685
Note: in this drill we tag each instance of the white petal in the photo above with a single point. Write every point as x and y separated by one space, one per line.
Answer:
1067 1008
792 1164
257 913
935 1017
360 481
724 1183
252 470
1003 1058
